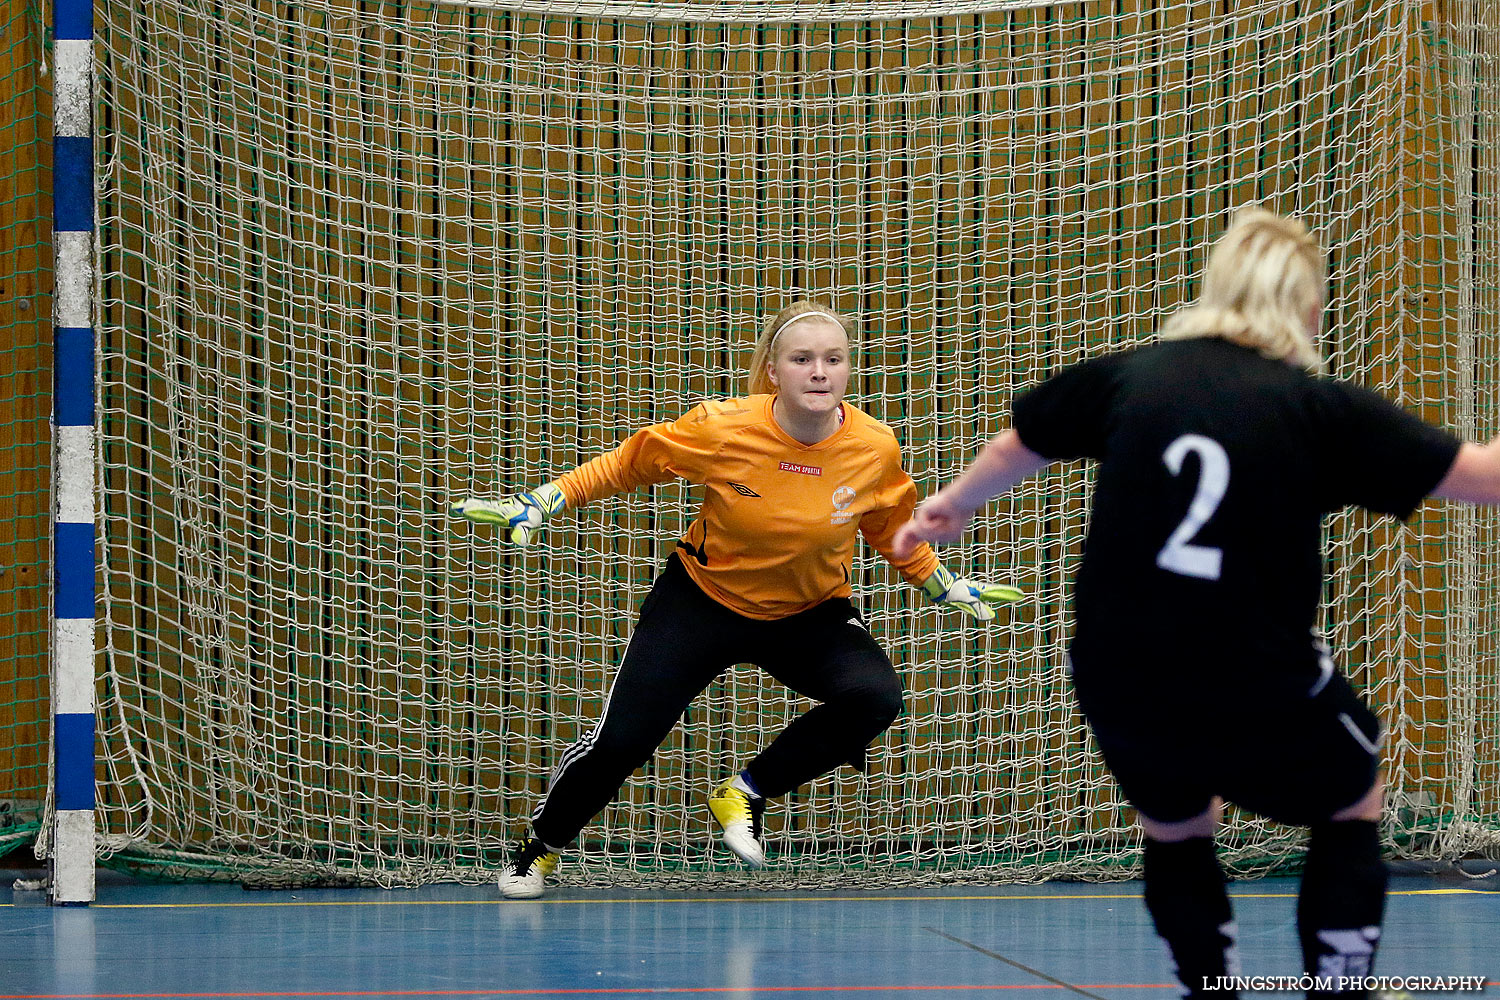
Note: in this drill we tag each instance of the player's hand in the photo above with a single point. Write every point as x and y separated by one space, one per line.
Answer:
976 600
520 515
938 520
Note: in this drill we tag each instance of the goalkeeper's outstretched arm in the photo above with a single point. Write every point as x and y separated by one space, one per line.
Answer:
518 515
977 600
651 455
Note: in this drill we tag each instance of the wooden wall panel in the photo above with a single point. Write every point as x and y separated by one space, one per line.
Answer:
25 403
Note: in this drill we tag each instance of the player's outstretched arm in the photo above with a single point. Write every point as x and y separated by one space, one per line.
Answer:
1474 476
944 516
518 515
977 600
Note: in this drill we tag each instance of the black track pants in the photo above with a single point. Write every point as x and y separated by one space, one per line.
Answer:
683 640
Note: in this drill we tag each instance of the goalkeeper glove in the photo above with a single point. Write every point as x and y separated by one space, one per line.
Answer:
521 514
973 599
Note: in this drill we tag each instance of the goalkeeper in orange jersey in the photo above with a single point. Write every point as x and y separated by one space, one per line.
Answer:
790 473
1195 655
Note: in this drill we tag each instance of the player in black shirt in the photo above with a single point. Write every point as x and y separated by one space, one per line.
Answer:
1195 655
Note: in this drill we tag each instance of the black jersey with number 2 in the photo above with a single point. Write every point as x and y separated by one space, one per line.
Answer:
1217 466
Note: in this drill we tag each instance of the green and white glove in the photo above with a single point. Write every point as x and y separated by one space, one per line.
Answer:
973 599
520 514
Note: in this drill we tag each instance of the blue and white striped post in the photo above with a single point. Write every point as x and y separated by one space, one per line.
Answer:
73 454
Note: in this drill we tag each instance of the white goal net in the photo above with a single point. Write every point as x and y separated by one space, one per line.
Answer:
359 258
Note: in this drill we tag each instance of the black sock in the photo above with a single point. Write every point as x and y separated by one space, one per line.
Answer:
1185 895
1342 901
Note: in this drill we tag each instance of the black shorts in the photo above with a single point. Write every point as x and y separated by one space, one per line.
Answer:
1294 756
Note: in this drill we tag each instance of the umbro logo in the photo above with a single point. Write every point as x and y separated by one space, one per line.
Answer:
743 490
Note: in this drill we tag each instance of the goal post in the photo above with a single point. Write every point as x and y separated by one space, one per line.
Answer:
358 258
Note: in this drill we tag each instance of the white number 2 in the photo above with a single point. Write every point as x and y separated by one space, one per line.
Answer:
1177 556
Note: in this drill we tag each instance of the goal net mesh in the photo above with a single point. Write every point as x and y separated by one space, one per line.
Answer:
358 259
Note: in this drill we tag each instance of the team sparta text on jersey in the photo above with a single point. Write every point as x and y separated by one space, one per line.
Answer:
775 533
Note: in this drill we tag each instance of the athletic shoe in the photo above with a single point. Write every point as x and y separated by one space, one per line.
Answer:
526 876
738 815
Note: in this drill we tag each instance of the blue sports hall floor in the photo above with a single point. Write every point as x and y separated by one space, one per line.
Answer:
1058 939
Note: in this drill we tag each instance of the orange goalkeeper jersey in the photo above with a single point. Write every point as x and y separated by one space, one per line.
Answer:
775 534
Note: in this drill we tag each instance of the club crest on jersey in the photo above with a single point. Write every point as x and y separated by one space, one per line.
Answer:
805 470
842 498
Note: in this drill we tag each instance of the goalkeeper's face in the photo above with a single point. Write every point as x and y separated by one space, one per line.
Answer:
811 367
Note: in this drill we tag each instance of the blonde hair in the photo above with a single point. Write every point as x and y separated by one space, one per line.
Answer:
1263 278
760 381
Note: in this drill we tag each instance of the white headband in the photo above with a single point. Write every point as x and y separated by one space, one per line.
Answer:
814 314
